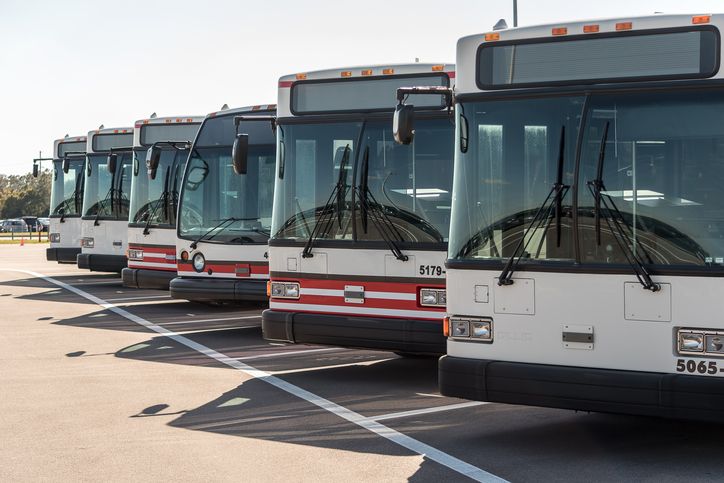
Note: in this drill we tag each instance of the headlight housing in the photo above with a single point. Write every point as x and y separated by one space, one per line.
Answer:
134 254
87 242
433 297
199 262
54 237
473 329
285 290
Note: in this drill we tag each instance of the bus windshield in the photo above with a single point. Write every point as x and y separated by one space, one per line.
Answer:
66 192
106 194
154 201
660 180
231 208
408 188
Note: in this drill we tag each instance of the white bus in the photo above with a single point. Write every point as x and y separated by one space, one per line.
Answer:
66 199
104 225
225 210
587 240
360 224
160 149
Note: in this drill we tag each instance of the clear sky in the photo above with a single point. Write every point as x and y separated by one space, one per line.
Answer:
68 66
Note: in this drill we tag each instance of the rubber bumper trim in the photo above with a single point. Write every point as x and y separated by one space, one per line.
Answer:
218 290
400 335
145 278
62 254
600 390
102 263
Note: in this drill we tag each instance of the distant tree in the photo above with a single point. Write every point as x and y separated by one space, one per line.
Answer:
25 195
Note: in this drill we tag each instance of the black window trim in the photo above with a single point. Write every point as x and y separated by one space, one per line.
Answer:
577 82
147 145
119 147
443 75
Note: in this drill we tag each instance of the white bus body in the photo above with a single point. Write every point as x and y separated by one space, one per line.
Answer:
154 199
341 177
608 302
104 224
225 217
66 199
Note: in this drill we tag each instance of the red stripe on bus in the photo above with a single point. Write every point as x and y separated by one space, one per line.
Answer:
397 287
451 75
381 316
285 84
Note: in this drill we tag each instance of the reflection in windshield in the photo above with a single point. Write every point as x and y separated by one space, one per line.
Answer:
214 193
404 190
154 201
106 194
660 179
66 193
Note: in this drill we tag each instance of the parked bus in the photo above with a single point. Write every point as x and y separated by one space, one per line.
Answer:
225 211
66 199
360 224
104 223
586 249
160 149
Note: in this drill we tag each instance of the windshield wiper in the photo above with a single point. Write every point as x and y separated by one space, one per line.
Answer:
221 224
615 221
557 193
109 196
375 212
335 201
161 201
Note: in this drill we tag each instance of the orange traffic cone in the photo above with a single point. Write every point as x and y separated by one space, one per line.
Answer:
22 241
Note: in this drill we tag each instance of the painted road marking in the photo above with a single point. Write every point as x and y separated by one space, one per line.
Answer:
201 321
369 424
321 368
416 412
139 298
288 353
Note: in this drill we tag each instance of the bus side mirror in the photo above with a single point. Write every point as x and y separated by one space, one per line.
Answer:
36 170
66 165
282 158
240 153
464 134
403 124
153 157
112 162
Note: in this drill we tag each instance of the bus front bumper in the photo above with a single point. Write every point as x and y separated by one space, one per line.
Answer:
144 278
62 255
377 333
600 390
96 262
218 290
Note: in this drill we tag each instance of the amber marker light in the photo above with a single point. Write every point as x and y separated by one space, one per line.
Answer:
624 26
446 326
367 72
301 76
591 29
268 288
559 31
346 73
700 19
438 68
492 37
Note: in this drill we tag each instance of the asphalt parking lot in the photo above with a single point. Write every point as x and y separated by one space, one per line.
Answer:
98 381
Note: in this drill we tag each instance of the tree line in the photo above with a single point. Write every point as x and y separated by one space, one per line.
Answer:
24 195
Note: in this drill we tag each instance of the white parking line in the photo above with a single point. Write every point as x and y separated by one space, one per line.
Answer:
416 412
201 321
335 366
139 298
369 424
288 353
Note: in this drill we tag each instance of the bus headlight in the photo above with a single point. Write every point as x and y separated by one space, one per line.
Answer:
430 297
87 242
199 262
285 290
691 342
135 254
54 238
472 329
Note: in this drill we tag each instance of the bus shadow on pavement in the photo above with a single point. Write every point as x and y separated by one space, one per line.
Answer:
54 293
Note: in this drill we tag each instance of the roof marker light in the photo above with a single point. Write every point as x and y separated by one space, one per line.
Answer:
700 19
491 37
346 73
388 71
271 106
145 122
624 26
559 31
366 71
256 108
591 29
438 68
301 76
